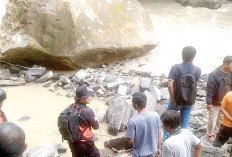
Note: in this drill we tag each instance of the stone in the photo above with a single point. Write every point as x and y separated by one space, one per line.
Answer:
5 74
165 93
45 77
161 109
36 72
18 82
211 4
122 90
110 78
67 86
30 78
81 38
118 144
145 83
59 83
197 112
100 91
117 113
155 92
209 151
48 150
113 85
64 79
70 95
61 149
24 118
151 102
106 152
80 75
101 116
14 69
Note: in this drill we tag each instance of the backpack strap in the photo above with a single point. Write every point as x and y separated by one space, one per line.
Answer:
181 69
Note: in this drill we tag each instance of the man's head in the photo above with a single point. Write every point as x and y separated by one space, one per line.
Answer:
188 53
227 63
139 100
171 120
12 140
2 97
83 94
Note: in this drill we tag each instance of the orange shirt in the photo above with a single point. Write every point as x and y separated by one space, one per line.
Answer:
227 103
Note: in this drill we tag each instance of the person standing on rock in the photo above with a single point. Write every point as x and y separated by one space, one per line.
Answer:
85 146
180 141
218 84
2 114
225 131
144 130
182 98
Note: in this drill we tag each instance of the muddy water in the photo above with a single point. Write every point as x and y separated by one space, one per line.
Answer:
210 31
44 106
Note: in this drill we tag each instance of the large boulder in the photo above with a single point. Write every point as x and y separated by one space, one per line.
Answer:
70 34
211 4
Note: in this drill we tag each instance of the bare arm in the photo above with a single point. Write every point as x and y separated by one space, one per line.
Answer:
198 150
159 145
130 141
171 91
226 113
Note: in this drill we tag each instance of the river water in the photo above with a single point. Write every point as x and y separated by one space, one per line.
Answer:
176 26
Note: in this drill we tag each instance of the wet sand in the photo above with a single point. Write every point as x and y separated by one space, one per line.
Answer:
44 106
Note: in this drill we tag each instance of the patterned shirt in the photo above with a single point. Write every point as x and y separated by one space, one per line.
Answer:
144 129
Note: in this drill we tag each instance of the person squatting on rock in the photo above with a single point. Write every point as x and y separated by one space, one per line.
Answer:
183 99
218 84
180 141
144 130
85 145
225 131
2 98
12 140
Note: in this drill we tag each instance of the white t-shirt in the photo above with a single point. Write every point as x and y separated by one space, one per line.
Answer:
180 144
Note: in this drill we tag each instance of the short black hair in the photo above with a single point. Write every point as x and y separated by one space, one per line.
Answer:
171 118
188 53
12 140
227 59
140 99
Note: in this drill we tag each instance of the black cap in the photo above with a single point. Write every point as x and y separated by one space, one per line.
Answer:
82 92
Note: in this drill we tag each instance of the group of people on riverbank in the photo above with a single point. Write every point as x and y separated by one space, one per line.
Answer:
144 130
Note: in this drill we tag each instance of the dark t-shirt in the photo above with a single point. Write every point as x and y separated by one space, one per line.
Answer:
175 73
87 120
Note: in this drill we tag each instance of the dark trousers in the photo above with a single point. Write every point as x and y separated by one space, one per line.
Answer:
223 135
84 149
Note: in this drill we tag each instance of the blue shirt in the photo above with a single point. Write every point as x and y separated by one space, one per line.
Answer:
144 129
175 73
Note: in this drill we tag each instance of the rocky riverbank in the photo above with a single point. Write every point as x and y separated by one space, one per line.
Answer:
113 84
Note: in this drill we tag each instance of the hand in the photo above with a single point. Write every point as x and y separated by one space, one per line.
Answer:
209 107
173 102
158 153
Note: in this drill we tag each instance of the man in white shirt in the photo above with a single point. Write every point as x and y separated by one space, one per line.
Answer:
180 141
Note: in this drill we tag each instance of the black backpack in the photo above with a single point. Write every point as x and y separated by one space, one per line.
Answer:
186 87
68 123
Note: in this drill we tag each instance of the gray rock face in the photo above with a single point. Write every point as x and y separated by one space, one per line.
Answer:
118 115
49 150
211 4
74 34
